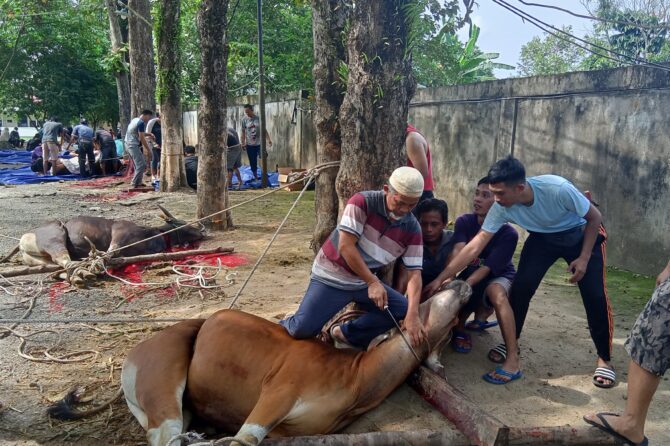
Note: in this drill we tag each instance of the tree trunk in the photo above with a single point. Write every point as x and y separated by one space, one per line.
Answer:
172 171
141 50
212 128
373 115
122 80
328 21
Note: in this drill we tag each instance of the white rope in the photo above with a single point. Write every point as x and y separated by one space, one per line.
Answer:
199 275
267 248
9 236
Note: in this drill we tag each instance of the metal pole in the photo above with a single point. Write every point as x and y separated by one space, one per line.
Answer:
261 97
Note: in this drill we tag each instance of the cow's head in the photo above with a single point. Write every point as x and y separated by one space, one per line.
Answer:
440 315
185 233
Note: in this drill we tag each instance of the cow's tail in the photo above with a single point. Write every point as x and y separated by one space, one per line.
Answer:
65 409
11 254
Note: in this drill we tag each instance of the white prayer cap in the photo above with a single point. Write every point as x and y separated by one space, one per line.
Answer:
407 181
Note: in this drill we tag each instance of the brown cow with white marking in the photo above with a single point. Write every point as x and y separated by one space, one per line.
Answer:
240 373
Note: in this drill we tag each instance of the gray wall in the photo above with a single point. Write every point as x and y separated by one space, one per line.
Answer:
607 131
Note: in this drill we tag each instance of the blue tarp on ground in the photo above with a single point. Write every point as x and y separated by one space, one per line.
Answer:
248 179
24 175
15 157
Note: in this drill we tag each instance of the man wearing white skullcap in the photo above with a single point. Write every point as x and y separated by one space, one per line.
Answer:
377 227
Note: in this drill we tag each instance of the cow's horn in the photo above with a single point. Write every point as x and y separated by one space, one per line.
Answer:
167 215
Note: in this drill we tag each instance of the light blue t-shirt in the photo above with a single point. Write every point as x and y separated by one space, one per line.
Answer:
557 206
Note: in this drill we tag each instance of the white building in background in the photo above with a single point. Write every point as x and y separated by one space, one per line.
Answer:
27 127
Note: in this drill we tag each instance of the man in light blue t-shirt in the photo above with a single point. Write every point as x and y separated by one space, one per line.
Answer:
562 223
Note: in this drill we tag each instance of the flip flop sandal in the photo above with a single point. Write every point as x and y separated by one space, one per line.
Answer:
461 342
500 349
508 376
607 428
477 325
604 373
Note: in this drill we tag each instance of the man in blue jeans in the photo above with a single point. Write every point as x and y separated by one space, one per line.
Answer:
251 137
376 228
562 223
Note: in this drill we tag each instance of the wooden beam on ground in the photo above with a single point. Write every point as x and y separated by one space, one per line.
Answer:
479 426
560 435
115 262
27 270
165 256
420 437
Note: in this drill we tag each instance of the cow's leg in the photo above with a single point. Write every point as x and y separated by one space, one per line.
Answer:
273 406
159 414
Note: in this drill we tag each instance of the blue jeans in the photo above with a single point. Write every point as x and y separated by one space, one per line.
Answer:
252 153
322 302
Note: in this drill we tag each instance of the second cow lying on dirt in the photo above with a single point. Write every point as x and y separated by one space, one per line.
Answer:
62 242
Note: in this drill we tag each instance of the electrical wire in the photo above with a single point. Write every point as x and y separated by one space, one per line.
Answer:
600 19
572 38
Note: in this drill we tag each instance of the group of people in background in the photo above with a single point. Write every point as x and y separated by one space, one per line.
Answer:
59 150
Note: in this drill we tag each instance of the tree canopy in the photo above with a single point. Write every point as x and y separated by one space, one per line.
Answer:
56 57
52 57
625 32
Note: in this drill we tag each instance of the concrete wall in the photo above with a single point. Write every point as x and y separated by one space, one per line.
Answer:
607 131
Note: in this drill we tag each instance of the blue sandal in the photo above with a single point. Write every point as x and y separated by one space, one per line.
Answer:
477 325
461 342
509 376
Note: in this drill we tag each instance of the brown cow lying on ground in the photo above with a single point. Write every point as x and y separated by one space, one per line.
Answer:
60 243
240 373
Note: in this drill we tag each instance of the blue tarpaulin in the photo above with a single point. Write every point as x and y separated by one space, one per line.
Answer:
248 179
24 175
15 157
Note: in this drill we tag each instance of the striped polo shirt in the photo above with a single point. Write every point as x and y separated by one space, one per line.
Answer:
380 242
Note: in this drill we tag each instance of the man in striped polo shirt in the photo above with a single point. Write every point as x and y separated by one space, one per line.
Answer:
376 228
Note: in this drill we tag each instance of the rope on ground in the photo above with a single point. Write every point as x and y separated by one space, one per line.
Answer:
9 236
48 357
33 298
220 442
267 247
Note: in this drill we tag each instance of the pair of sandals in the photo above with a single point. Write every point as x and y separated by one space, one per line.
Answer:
498 354
462 343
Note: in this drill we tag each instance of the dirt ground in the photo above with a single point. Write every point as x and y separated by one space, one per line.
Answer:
557 353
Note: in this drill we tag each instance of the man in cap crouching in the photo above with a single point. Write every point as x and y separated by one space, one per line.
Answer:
376 228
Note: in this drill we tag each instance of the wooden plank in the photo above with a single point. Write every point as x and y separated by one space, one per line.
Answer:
479 426
560 435
418 438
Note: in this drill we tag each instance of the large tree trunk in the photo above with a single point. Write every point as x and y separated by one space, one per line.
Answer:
328 21
122 80
373 115
141 50
212 129
172 172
